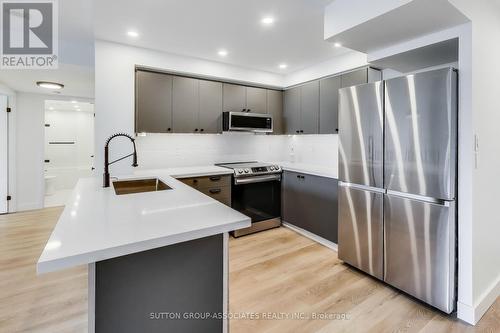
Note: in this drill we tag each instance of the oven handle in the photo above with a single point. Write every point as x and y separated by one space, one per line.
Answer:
257 179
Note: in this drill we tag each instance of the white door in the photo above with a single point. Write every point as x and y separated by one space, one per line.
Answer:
3 154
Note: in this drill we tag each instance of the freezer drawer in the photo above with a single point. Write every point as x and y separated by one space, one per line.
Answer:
361 119
419 250
421 134
360 241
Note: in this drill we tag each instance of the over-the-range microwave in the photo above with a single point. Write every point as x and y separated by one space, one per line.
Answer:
247 121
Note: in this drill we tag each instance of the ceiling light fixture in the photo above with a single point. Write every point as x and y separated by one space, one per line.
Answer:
132 33
337 44
283 66
73 102
222 53
49 85
268 20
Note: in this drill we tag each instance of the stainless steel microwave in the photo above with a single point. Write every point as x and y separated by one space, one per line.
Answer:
247 122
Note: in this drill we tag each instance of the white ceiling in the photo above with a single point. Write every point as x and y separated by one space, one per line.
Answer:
78 80
199 28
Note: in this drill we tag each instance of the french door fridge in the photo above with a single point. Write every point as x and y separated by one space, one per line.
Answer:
414 208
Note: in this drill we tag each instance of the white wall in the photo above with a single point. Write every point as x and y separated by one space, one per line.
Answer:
30 138
355 12
335 65
485 71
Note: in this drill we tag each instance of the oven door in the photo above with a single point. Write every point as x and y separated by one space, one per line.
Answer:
258 197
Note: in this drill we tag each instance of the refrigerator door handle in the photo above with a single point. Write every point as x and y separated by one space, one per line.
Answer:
417 197
362 187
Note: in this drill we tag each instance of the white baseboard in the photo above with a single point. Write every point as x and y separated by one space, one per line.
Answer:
310 235
472 314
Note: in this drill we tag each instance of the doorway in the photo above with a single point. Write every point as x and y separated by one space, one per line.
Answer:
69 147
4 160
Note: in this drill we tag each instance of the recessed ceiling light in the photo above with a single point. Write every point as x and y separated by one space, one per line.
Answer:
51 108
283 66
132 33
76 106
337 44
73 102
268 20
222 53
49 85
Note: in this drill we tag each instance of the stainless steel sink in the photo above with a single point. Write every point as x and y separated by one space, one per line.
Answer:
139 186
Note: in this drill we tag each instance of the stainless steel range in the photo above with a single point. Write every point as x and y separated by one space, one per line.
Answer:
256 192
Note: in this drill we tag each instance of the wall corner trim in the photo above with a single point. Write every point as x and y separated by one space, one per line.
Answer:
472 315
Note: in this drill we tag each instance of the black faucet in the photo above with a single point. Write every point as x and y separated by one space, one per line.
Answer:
106 157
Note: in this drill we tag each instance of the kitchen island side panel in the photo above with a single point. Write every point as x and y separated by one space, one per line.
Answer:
154 291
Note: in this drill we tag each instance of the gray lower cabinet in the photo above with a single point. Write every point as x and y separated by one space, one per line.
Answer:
256 100
275 109
291 112
210 114
328 105
309 108
310 202
153 102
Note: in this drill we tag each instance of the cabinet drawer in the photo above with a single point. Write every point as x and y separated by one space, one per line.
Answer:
207 181
222 194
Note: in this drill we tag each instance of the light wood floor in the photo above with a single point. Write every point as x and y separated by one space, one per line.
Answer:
272 273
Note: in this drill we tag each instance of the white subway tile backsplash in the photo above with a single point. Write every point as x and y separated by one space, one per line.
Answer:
177 150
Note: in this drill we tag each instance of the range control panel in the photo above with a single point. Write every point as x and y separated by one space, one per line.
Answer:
260 170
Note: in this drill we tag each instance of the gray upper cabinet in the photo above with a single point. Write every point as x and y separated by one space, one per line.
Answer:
328 105
234 97
210 107
185 104
256 100
291 112
354 78
309 108
153 102
275 109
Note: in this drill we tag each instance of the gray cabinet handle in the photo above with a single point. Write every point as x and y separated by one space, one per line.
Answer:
215 178
215 190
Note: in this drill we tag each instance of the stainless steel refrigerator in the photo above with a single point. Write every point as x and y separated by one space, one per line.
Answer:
398 177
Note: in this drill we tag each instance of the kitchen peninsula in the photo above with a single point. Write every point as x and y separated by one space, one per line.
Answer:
163 251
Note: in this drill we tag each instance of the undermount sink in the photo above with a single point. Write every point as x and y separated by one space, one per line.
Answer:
139 186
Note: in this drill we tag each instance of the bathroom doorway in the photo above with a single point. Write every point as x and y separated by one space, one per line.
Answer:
69 147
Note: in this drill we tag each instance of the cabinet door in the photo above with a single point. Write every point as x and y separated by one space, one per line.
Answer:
256 100
185 105
275 109
354 78
309 108
291 113
153 102
321 205
328 105
234 97
292 209
210 115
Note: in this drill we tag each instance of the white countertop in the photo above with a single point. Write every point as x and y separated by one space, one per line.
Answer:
192 171
310 169
97 224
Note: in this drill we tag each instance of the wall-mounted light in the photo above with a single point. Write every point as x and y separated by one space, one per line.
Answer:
50 85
